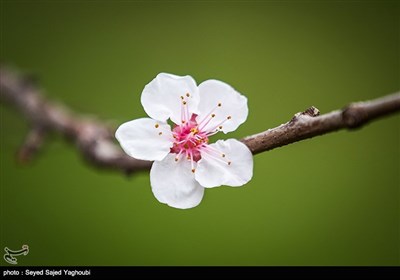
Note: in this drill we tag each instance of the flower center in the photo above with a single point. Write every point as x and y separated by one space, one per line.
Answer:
191 138
188 140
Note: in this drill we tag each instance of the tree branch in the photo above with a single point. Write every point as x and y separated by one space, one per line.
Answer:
95 140
310 124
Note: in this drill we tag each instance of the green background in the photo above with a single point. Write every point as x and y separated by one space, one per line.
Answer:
332 200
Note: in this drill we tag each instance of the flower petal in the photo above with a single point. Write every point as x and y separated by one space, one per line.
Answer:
214 169
145 139
227 106
173 183
162 97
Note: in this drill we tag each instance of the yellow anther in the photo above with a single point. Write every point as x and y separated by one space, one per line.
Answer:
220 127
184 102
213 115
188 157
182 97
157 125
160 133
187 94
194 130
229 117
193 170
176 159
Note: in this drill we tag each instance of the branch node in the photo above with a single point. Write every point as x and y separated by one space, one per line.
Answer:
353 116
310 112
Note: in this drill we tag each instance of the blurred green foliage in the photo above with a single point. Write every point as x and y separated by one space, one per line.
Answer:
332 200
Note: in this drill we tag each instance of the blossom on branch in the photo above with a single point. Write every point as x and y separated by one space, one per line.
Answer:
184 161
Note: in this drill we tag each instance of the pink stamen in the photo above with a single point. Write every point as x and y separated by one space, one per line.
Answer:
209 148
209 114
217 126
177 157
191 161
212 133
187 111
208 151
201 127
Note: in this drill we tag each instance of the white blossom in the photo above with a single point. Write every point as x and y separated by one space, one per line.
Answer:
184 161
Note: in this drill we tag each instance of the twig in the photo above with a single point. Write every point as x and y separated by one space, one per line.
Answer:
95 140
310 124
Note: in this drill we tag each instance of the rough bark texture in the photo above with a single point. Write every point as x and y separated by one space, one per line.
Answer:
95 140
